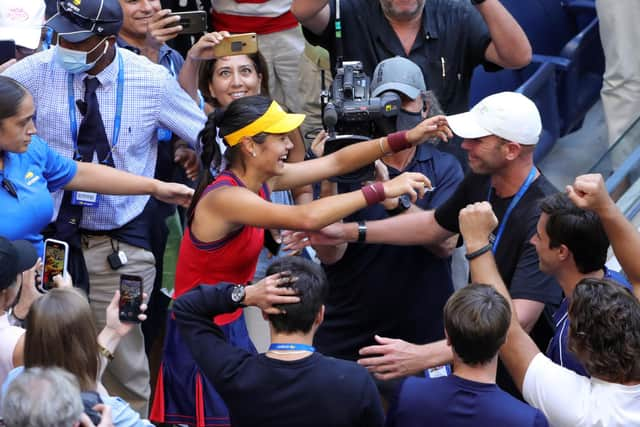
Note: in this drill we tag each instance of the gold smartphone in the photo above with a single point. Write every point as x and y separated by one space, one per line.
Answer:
237 44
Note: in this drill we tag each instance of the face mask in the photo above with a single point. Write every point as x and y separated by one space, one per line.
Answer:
407 120
75 61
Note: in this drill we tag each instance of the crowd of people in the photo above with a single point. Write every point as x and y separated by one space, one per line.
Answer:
426 273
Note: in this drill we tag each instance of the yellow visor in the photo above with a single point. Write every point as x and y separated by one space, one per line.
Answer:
274 120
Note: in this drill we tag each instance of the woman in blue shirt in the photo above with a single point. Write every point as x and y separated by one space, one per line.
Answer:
30 171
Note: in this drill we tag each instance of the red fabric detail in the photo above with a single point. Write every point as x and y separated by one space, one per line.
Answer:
373 193
398 141
253 24
234 261
200 418
157 410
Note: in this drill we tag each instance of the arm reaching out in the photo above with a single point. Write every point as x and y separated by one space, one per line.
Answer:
476 223
589 192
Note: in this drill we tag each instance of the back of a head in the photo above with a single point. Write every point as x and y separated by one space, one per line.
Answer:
604 331
476 319
312 287
42 397
61 332
578 229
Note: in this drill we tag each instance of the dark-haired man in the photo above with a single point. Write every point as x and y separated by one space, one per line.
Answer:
604 331
290 384
572 245
476 319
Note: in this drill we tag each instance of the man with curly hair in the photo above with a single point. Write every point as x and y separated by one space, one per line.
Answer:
604 331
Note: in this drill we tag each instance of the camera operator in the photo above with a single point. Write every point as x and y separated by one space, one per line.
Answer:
446 38
384 289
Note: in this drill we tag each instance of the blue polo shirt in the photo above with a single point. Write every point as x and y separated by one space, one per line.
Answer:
558 350
35 174
453 401
394 291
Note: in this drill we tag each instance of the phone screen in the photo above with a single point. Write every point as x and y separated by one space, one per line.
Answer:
55 256
130 297
7 50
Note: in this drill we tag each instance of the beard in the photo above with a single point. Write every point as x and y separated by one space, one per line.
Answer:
395 13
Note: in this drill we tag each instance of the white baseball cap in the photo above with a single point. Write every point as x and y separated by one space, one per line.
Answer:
509 115
21 21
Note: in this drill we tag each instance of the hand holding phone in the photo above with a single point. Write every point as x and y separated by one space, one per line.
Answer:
237 44
56 260
130 298
163 26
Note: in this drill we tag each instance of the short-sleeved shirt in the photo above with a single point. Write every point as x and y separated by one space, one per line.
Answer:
516 257
396 291
454 401
35 174
558 350
571 400
151 99
451 42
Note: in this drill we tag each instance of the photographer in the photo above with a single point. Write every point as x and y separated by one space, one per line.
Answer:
383 289
445 38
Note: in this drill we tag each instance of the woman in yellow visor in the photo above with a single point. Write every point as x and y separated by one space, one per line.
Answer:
228 215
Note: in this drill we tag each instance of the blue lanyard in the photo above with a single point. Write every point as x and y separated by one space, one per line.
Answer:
523 189
116 121
291 347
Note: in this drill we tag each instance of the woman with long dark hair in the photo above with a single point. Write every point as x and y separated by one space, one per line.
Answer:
228 214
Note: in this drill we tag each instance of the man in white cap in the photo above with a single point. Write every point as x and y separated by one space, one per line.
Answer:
21 21
500 134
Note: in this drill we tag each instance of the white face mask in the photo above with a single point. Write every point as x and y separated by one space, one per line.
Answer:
75 61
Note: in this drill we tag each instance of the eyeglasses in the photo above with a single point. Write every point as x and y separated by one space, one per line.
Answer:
9 187
69 11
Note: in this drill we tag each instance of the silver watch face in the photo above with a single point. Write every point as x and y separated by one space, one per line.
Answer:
237 294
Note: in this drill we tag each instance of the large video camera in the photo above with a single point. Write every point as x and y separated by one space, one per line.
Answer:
350 108
350 114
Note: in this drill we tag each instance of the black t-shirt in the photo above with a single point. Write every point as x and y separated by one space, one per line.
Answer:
516 257
451 42
261 391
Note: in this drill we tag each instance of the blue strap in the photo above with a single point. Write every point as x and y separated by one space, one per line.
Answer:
116 122
523 189
291 347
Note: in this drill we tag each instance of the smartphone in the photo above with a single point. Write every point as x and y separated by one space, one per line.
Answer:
192 22
7 50
56 258
237 44
130 297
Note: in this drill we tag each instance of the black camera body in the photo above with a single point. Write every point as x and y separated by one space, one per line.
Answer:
350 108
350 114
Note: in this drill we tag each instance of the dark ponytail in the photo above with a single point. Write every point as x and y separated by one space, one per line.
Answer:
238 114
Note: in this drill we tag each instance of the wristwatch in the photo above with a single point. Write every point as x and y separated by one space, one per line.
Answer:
476 2
237 294
404 203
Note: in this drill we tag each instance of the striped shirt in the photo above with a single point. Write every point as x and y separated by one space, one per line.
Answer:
152 99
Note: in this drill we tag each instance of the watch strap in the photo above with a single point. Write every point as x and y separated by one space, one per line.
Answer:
362 232
404 203
477 253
